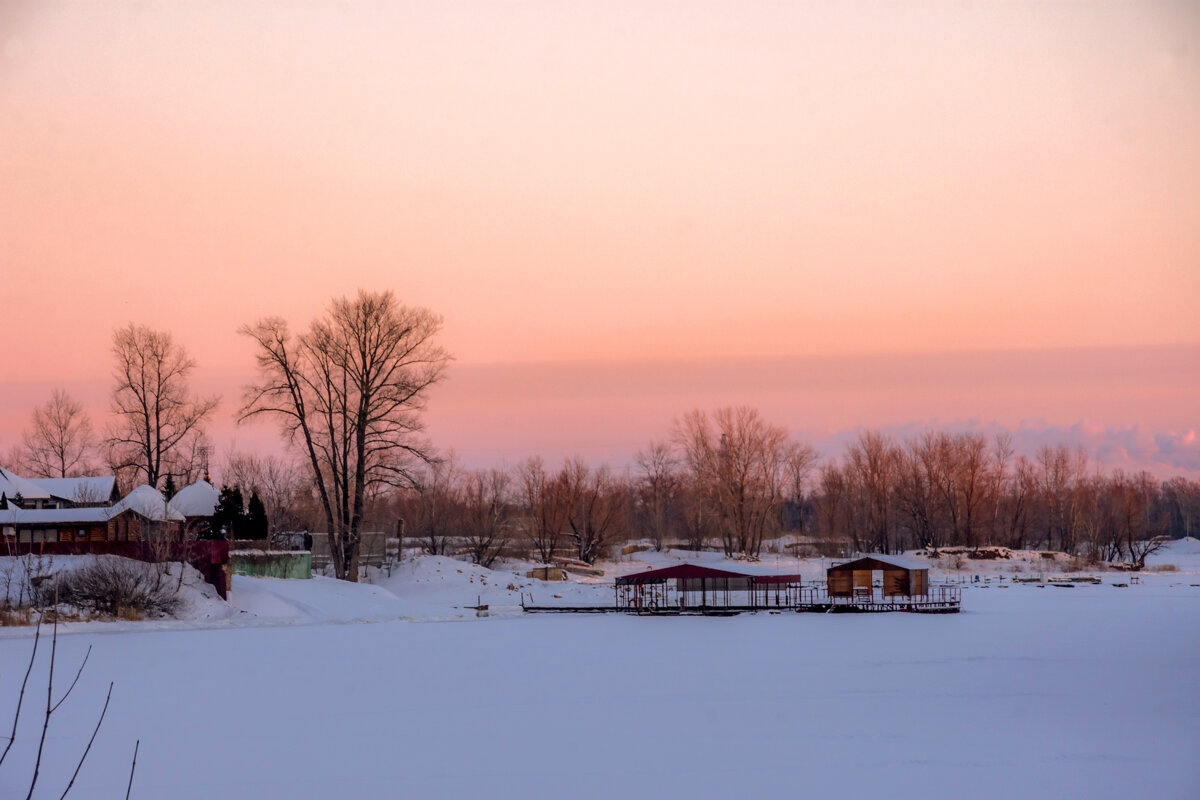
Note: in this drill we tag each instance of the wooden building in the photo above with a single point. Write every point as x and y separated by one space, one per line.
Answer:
896 578
60 493
141 515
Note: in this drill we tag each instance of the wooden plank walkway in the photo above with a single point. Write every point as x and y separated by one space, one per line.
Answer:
850 607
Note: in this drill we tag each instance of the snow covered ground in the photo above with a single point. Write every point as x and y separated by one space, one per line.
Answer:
324 689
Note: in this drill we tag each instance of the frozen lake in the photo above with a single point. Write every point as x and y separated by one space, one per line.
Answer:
1030 692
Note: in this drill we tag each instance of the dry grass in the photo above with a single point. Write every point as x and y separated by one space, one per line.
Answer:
60 614
1163 568
15 616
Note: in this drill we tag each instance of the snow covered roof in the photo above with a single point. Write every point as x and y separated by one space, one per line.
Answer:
144 500
53 516
196 500
891 561
79 490
12 485
149 502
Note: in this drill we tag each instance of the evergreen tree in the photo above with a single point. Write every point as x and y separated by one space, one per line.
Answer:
169 489
230 515
256 518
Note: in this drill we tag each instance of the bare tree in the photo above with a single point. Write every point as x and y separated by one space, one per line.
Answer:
870 471
1181 498
60 442
1140 527
941 489
189 461
832 505
956 467
657 490
596 507
13 458
917 473
546 505
972 479
799 460
350 392
433 506
1018 504
487 513
157 414
1060 472
736 460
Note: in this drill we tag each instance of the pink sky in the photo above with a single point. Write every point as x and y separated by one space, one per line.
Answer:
688 193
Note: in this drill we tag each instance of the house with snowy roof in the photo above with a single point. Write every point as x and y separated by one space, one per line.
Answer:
139 516
84 492
49 493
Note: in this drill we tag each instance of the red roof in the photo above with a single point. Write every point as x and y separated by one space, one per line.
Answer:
778 578
680 571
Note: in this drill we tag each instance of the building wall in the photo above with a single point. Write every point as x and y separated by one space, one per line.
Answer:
840 584
896 583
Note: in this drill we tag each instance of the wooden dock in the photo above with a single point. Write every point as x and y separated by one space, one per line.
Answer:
698 590
829 607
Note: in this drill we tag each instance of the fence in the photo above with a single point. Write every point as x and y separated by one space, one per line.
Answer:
292 564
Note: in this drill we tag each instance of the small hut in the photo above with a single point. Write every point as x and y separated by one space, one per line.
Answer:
897 578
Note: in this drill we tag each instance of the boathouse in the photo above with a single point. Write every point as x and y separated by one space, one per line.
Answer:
896 577
851 587
695 587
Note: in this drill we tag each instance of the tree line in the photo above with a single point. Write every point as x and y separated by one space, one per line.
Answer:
731 480
348 393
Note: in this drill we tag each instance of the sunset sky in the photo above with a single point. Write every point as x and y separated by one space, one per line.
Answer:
966 215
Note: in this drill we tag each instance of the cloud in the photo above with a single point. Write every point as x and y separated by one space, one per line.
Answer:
1179 450
1130 447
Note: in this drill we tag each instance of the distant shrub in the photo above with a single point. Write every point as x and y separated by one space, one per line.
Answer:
988 554
114 586
1163 568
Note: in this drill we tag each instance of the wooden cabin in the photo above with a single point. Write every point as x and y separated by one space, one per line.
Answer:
142 515
897 577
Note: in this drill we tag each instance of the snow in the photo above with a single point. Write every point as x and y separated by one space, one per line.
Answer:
319 688
902 563
83 489
149 502
48 516
198 499
12 485
1187 546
